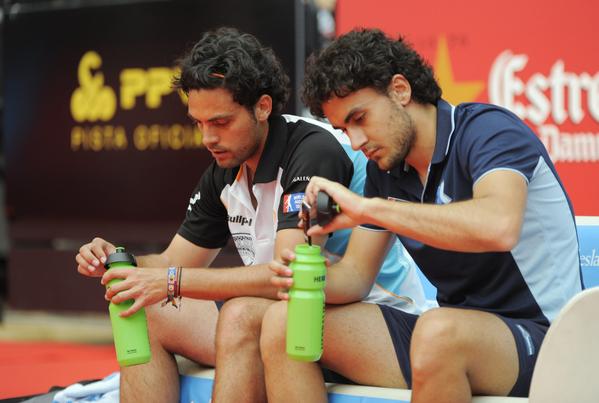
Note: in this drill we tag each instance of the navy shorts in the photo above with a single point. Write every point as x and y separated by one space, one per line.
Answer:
528 335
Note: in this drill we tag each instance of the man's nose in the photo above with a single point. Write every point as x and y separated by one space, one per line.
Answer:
357 138
209 137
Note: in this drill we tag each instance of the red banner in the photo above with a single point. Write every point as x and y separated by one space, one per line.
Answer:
539 59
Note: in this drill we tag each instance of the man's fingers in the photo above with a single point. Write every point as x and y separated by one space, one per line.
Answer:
118 297
86 272
86 269
287 255
281 282
99 254
137 305
86 253
281 270
115 273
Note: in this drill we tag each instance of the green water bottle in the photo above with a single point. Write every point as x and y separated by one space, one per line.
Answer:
131 333
305 309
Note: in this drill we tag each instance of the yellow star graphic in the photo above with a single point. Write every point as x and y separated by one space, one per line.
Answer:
453 91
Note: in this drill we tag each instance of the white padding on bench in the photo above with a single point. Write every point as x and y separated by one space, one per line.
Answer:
196 384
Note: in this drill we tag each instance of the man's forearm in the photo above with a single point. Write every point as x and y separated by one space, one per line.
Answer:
469 226
154 260
226 283
346 284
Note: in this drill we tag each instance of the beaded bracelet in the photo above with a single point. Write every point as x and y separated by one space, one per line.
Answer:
173 286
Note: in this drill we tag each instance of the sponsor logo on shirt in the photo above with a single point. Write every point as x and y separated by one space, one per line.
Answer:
245 246
239 219
193 200
301 179
292 202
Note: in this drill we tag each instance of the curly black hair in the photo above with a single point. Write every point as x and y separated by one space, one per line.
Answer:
365 58
237 61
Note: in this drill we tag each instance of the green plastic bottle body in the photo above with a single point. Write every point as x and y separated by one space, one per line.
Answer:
130 334
305 309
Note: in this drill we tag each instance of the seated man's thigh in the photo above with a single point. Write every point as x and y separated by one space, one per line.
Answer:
490 349
188 331
357 345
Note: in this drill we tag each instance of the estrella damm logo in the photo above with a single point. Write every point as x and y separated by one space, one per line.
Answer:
92 100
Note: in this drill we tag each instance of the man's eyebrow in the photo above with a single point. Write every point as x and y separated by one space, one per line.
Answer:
221 116
351 113
217 117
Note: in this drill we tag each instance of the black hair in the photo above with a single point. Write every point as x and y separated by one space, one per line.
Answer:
237 61
366 58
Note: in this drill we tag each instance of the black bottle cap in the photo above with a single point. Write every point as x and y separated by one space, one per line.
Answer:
120 256
326 209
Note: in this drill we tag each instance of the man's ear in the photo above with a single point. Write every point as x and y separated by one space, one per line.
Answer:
263 108
400 89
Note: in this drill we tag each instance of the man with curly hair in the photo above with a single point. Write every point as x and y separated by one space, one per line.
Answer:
472 194
251 193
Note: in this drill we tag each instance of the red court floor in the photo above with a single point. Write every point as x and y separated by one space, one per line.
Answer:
28 368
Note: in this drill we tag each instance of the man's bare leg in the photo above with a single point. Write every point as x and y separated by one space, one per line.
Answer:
188 331
239 373
456 353
356 345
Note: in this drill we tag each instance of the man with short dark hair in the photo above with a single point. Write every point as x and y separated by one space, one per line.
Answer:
252 192
472 194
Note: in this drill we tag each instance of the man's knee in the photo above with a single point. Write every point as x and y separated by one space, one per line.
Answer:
436 342
274 326
239 321
157 325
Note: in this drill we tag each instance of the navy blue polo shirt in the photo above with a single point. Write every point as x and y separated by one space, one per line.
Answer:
542 272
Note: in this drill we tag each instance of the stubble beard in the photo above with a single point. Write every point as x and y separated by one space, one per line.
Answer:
243 154
402 134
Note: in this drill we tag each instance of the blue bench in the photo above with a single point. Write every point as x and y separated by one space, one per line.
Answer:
588 238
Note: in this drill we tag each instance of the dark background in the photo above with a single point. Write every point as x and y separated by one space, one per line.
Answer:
57 198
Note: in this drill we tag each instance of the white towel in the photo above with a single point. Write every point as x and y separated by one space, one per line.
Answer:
102 391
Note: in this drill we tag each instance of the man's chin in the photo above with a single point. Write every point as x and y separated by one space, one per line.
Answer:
227 163
383 164
386 164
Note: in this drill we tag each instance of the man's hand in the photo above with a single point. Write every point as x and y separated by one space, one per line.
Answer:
352 206
146 286
283 274
282 278
92 256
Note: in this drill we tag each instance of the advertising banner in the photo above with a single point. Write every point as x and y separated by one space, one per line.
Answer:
539 59
92 127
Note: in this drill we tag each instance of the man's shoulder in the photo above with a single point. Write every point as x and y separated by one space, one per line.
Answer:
477 123
488 117
313 139
301 128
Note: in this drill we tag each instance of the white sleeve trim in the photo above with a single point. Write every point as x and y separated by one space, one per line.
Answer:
373 229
